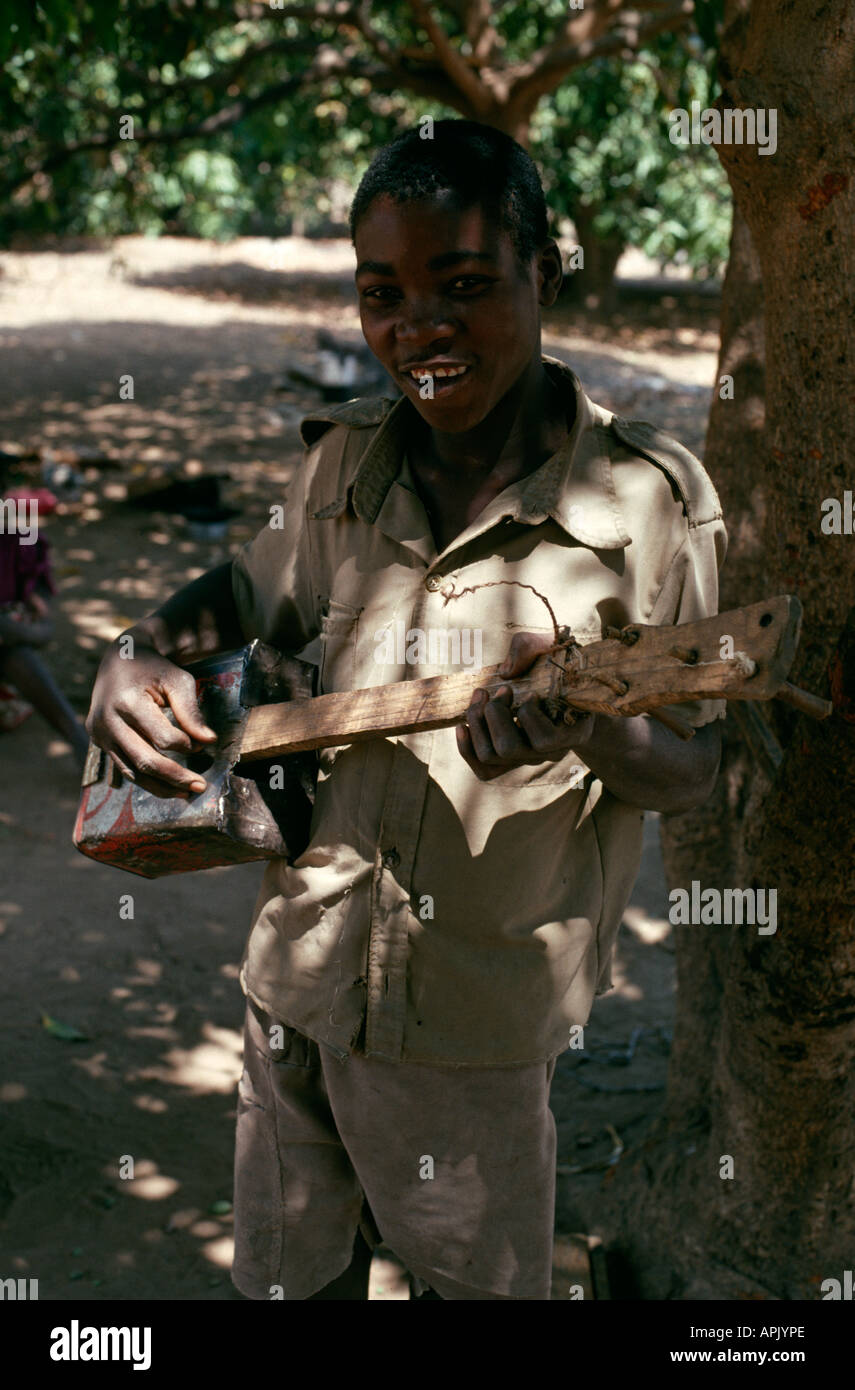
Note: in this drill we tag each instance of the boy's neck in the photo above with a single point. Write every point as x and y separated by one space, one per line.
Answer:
526 428
457 476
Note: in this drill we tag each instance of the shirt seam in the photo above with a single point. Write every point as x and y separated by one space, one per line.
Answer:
310 577
674 558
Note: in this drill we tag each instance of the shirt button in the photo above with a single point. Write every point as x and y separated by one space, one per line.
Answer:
433 582
391 858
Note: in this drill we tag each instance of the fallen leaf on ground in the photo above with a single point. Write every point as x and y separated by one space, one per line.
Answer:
66 1032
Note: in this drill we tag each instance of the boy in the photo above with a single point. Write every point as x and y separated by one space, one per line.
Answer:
412 977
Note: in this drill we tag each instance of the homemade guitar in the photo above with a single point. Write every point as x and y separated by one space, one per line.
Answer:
260 772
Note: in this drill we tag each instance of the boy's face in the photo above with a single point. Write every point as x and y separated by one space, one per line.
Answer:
439 283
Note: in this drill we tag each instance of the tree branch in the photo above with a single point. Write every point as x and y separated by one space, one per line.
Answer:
504 95
528 83
451 61
329 63
223 76
581 27
375 41
480 31
580 32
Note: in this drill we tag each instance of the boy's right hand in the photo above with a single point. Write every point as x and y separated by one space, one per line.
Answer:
126 719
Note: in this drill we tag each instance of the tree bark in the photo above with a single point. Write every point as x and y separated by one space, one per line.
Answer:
784 1080
774 1055
708 843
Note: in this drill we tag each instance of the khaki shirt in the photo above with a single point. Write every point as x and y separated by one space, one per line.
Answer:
461 922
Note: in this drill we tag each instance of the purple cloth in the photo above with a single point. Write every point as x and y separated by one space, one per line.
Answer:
23 567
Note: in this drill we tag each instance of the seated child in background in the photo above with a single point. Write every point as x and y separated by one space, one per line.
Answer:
26 586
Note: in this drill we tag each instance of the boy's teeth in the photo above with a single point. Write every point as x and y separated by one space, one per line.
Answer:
439 372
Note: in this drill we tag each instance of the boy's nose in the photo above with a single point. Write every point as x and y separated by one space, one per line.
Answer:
426 321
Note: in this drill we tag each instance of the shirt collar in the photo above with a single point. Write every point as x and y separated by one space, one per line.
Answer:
575 487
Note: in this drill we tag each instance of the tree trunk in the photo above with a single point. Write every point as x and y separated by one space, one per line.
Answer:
708 843
593 285
775 1057
784 1079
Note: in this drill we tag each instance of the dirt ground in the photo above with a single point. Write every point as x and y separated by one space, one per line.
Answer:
207 332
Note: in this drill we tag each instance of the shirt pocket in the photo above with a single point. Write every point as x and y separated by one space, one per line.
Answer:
338 637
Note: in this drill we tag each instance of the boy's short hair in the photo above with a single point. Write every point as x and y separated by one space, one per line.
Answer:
474 162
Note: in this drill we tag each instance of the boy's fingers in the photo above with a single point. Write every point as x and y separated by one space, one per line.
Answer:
182 699
478 732
540 730
464 743
507 739
147 719
526 647
149 784
148 767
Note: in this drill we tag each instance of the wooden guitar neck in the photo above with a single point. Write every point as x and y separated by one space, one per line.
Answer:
744 654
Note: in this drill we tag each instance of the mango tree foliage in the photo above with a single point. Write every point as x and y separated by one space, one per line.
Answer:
243 116
609 164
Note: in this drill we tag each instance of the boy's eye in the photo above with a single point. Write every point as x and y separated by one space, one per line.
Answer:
464 284
472 282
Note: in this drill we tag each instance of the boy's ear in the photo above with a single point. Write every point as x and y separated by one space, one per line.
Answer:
551 273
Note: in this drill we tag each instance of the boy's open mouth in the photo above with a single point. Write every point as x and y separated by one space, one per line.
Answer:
445 378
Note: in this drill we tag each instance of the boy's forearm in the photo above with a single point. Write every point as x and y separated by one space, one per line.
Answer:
645 764
197 621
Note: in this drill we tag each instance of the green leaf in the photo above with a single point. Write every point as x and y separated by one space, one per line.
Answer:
66 1032
220 1208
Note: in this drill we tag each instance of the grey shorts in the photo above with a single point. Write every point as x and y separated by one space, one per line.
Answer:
453 1168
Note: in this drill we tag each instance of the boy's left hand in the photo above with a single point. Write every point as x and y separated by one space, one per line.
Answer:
493 740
